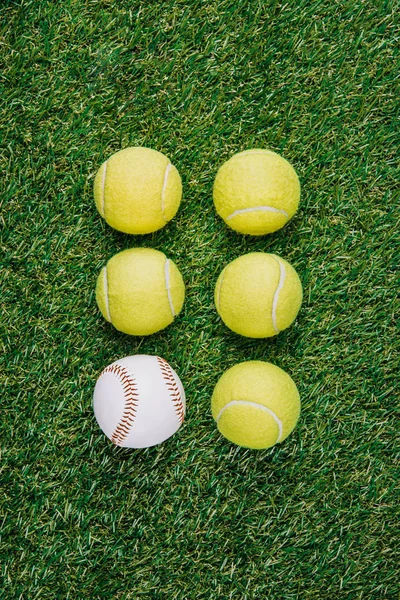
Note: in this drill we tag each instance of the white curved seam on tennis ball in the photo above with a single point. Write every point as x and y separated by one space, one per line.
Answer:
168 286
241 211
257 405
164 187
218 302
105 284
282 277
253 153
103 185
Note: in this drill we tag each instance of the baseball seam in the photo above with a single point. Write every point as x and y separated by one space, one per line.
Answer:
164 187
105 284
168 287
103 185
173 389
131 397
255 209
256 404
282 277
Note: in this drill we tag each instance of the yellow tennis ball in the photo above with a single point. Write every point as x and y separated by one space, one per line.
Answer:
256 192
140 291
258 295
255 404
137 190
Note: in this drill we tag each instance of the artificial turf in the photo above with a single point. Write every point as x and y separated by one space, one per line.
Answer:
316 517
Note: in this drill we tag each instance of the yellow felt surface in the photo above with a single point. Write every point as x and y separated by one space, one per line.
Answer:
252 179
137 293
248 426
260 383
135 196
245 291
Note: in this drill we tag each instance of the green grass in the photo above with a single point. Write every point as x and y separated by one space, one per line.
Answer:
316 517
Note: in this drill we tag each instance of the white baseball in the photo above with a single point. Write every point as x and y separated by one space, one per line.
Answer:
139 401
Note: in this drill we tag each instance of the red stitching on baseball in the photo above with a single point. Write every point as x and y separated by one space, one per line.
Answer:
175 394
131 396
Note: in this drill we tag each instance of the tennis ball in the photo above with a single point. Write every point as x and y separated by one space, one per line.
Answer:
258 295
256 192
140 291
255 404
137 190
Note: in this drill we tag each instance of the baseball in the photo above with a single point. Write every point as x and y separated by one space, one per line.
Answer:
139 401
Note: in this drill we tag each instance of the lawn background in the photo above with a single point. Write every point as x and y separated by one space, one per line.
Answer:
197 517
